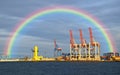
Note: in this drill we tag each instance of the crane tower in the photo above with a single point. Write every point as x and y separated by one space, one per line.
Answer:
57 50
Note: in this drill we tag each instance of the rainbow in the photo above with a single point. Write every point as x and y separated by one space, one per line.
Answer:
50 10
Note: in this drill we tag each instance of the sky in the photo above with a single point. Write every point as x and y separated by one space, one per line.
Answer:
43 30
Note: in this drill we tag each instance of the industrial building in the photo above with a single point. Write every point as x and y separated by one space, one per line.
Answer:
110 56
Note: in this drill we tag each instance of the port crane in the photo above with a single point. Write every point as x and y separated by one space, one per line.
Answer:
83 50
95 52
57 50
74 48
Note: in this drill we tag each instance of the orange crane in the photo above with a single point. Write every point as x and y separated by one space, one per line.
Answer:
57 49
74 48
83 51
92 41
91 36
71 39
94 44
72 42
83 41
81 36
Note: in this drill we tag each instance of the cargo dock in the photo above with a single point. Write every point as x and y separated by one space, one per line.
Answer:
83 52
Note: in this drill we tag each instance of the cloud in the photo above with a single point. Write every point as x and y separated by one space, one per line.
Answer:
26 43
10 17
4 36
3 33
43 31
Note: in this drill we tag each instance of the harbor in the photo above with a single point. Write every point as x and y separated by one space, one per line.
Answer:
86 52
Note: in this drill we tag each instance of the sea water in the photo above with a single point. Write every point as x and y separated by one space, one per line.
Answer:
59 68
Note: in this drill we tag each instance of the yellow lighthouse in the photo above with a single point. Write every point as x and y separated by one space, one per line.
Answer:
35 54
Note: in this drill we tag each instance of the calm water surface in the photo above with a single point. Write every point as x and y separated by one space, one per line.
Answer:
60 68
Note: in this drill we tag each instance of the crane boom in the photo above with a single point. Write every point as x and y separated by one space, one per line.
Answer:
81 36
55 43
56 46
71 39
91 36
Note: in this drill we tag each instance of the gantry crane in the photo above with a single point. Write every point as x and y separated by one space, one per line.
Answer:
83 48
57 50
74 48
95 51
